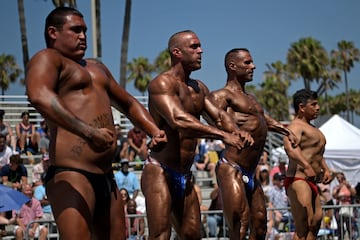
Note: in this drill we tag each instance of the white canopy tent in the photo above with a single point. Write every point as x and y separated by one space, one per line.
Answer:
342 149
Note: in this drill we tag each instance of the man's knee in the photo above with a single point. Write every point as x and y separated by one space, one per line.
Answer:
44 231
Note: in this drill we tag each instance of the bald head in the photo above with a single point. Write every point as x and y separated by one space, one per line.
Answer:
176 39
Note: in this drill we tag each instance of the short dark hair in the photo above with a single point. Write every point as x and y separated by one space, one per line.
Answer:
25 113
229 55
56 18
302 96
15 158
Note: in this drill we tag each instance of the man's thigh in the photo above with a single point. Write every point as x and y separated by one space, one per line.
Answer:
157 198
72 198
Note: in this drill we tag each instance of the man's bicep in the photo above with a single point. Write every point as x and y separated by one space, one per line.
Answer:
297 131
42 72
167 106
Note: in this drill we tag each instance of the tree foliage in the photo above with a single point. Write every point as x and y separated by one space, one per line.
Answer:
9 71
307 59
273 96
140 71
163 61
344 58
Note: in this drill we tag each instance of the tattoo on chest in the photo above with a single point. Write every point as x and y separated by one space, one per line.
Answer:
100 121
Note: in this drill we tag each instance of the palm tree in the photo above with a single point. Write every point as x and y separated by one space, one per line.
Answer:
140 70
125 43
345 57
62 3
24 42
273 96
9 71
329 81
307 58
163 61
98 28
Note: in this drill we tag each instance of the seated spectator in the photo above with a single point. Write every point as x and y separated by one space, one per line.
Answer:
137 141
283 220
44 140
41 130
215 221
212 147
343 194
202 159
129 180
280 168
125 196
40 194
202 206
271 231
326 199
122 145
39 169
30 211
5 152
6 131
264 178
135 226
14 174
27 136
263 162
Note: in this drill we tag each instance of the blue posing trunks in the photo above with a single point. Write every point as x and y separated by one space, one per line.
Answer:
248 178
176 180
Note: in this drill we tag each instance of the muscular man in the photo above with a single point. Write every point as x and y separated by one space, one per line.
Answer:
243 198
75 96
176 102
306 166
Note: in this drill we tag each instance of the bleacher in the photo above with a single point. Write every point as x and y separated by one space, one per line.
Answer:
14 105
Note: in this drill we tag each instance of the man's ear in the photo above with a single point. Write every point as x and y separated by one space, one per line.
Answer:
301 107
176 52
232 66
52 32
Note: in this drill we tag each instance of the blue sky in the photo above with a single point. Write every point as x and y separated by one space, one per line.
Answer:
267 28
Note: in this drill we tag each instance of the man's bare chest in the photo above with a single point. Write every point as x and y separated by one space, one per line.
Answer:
244 103
192 101
76 76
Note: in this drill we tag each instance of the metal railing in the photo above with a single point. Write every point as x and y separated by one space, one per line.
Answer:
331 232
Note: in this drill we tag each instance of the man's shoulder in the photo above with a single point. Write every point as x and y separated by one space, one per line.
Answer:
164 81
47 52
119 174
221 92
48 56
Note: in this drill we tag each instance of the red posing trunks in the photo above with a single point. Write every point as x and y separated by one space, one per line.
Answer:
290 180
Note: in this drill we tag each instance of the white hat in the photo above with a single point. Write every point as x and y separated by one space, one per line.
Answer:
263 167
124 160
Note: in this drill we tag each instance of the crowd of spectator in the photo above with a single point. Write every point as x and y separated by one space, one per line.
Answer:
131 153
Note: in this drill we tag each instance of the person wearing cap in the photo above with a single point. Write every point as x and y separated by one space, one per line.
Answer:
307 166
264 178
126 179
129 180
278 198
